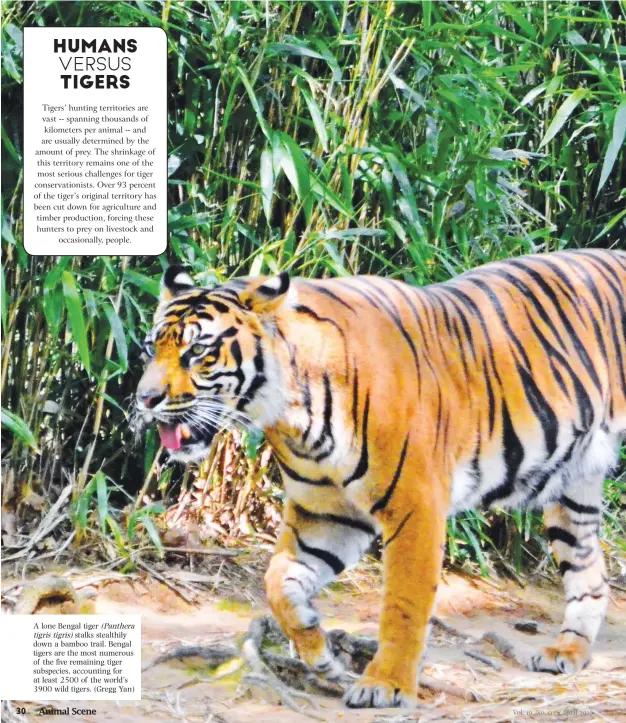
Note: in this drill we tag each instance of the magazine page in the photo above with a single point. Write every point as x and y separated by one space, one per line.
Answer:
313 365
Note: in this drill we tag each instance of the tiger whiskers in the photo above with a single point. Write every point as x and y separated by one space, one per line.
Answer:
136 421
207 415
217 405
218 415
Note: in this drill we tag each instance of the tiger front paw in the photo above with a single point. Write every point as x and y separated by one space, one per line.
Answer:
368 692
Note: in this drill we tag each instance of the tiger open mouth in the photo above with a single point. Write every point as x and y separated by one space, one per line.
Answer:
186 441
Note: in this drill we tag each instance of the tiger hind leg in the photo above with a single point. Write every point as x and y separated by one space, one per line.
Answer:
311 551
573 526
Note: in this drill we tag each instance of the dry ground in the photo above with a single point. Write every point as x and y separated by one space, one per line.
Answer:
472 606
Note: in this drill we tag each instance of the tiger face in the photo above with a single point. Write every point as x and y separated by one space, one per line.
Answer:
208 362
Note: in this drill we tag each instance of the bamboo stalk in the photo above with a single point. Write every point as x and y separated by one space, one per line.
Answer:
81 479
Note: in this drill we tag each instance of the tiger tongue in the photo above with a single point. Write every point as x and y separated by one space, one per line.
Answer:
171 434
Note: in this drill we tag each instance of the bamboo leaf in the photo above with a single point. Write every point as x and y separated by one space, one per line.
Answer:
117 535
407 201
267 182
74 308
82 507
102 492
331 59
349 233
335 262
294 165
173 163
181 221
53 307
619 128
562 114
4 298
475 547
324 192
615 220
151 448
8 144
154 508
427 9
132 525
255 102
519 17
153 533
19 428
146 284
316 115
253 440
118 334
532 94
294 48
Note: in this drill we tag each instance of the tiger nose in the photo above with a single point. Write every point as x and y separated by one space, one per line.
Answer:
151 397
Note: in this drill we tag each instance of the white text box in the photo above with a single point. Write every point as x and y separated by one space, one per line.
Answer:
70 657
95 141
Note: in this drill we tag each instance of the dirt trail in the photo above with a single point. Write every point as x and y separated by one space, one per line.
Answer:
471 606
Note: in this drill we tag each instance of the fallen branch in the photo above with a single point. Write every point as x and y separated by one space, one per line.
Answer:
47 524
285 695
165 581
217 552
297 674
291 679
262 674
484 659
447 628
440 686
353 651
504 647
225 672
212 655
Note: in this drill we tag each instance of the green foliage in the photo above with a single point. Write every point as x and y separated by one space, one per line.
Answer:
409 139
18 427
123 537
467 536
614 517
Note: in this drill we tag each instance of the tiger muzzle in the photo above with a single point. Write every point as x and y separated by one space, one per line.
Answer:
183 437
186 441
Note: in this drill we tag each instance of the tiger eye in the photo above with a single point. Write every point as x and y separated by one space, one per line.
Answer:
198 349
147 350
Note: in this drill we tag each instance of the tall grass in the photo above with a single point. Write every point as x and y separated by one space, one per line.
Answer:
410 139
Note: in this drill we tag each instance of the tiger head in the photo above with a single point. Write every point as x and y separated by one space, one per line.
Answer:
209 362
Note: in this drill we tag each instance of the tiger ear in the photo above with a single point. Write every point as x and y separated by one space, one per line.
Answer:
267 296
175 280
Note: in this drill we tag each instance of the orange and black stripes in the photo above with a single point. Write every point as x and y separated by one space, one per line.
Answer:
389 407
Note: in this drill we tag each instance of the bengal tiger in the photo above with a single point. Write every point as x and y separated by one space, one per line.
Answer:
390 407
